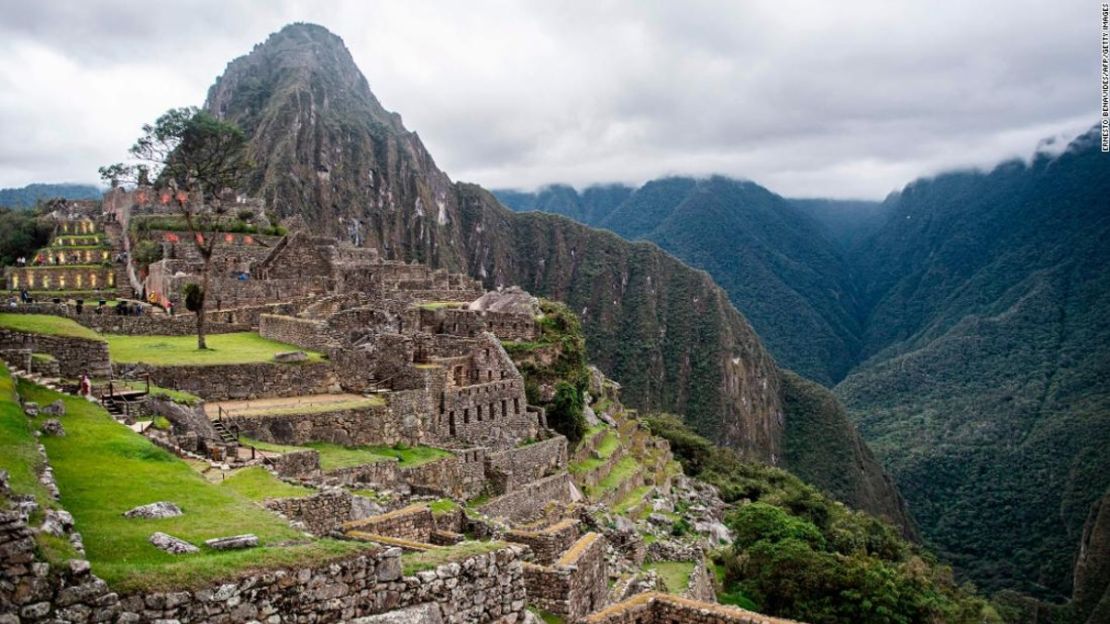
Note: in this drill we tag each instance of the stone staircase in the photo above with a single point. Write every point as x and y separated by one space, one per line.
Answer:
226 436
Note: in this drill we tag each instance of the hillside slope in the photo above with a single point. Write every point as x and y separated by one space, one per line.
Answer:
327 152
986 390
779 266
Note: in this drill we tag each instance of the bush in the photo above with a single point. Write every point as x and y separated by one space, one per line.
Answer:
565 413
147 252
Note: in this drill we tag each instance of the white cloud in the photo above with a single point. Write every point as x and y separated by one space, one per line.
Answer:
808 98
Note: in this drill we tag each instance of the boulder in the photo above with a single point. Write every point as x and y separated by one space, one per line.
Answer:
58 522
427 613
53 427
286 357
151 511
171 544
31 409
57 408
234 542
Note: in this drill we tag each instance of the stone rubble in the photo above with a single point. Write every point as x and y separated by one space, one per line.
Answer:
171 544
151 511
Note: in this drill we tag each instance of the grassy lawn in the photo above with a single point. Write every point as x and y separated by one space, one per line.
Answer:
417 562
103 469
18 452
177 396
610 442
443 506
334 456
47 324
676 574
258 484
236 348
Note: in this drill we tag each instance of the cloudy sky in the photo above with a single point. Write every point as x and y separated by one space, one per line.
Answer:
839 99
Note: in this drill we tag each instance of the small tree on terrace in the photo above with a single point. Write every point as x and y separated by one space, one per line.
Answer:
200 158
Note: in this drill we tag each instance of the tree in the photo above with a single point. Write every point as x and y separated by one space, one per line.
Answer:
200 158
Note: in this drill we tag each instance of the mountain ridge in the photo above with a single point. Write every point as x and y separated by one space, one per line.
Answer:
328 154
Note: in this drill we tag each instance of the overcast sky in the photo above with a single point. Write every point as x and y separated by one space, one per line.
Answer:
838 99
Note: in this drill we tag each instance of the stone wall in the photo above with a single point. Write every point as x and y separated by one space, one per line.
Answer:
295 464
577 583
519 466
547 544
305 333
700 585
461 476
220 382
154 325
414 523
320 513
382 474
470 323
76 277
532 500
658 608
75 355
373 424
486 588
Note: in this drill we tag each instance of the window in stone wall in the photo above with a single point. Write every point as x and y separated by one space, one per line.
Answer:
451 421
45 281
466 415
504 408
92 280
15 282
111 279
78 280
62 281
516 405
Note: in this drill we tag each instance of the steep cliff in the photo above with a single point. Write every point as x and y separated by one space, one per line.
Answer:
328 152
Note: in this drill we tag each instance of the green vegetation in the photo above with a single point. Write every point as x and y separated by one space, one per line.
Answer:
547 618
334 456
258 484
21 234
634 498
621 472
417 562
604 450
47 324
142 224
675 574
563 365
104 469
800 555
235 348
443 506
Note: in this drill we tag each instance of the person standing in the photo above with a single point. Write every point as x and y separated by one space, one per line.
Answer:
86 386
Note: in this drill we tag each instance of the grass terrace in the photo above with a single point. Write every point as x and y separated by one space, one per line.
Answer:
104 469
624 469
47 325
235 348
334 456
418 562
283 406
258 484
675 574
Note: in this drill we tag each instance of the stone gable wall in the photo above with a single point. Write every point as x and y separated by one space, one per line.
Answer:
578 582
75 355
461 476
547 544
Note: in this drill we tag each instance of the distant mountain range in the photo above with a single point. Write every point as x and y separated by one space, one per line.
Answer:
965 322
27 196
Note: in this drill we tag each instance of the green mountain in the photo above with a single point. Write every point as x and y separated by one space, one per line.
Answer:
779 265
28 196
329 154
965 320
988 354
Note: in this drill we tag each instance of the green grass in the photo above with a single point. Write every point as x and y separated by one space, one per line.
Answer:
608 445
634 498
177 396
47 324
675 574
314 408
548 618
334 456
18 453
103 469
439 305
234 348
258 484
443 506
417 562
624 469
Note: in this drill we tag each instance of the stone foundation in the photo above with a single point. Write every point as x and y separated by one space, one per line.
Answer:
532 500
320 513
547 544
414 523
239 381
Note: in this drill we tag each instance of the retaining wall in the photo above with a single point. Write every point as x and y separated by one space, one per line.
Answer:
75 355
